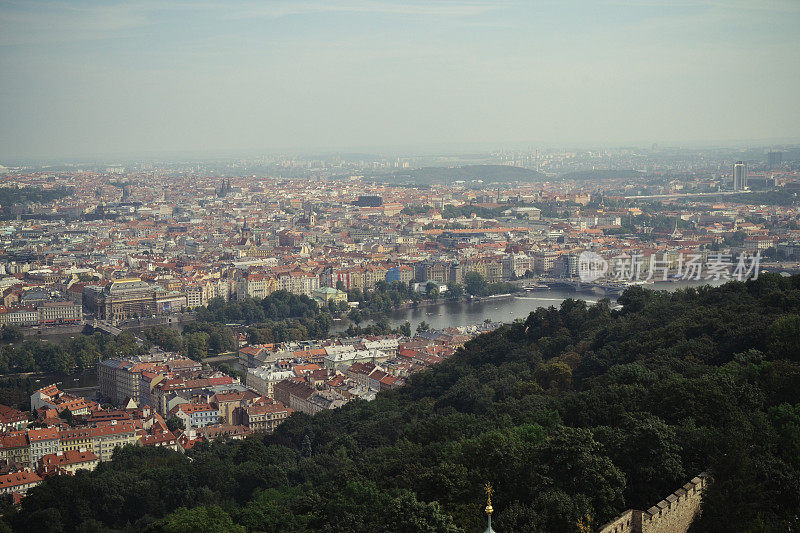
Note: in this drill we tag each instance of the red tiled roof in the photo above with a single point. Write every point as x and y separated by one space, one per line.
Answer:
9 415
229 396
166 437
276 407
18 478
195 407
14 440
36 435
68 457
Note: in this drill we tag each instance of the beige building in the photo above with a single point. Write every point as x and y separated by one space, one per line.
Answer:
298 282
18 482
59 313
265 418
258 285
43 442
14 448
545 262
195 296
124 299
100 440
119 380
20 316
302 397
69 461
263 379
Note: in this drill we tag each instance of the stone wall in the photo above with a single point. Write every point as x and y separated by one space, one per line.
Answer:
673 514
627 522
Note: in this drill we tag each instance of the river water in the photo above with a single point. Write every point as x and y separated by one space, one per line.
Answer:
505 309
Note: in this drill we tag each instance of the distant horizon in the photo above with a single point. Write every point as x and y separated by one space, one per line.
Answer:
168 156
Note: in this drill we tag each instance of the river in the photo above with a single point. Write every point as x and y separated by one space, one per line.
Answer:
505 309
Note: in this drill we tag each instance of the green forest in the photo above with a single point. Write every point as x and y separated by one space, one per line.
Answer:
67 356
15 200
279 317
488 173
24 195
279 305
581 410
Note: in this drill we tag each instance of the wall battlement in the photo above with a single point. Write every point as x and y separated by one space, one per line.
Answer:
673 514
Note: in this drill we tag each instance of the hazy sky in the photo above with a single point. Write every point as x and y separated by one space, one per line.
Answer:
137 77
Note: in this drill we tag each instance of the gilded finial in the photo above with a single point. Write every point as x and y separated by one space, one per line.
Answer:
489 491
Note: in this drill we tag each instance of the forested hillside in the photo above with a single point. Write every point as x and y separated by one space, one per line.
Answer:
488 173
14 199
578 410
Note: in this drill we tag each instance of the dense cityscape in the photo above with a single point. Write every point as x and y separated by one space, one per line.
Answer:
233 301
449 266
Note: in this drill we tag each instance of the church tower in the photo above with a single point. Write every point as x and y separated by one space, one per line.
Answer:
246 235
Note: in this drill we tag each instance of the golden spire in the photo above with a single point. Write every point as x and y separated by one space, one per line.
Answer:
489 491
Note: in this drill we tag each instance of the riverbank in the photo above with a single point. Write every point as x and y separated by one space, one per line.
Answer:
463 299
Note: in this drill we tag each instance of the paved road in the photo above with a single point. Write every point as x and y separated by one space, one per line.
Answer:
108 328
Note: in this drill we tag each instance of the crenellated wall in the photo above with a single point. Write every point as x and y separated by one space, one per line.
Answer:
673 514
627 522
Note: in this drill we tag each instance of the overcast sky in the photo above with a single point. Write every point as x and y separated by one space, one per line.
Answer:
138 77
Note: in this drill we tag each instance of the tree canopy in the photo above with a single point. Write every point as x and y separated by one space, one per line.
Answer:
575 411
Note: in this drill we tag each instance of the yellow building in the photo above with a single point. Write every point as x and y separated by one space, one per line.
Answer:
328 294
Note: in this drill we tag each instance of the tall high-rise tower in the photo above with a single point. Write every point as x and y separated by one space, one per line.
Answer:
739 176
774 159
